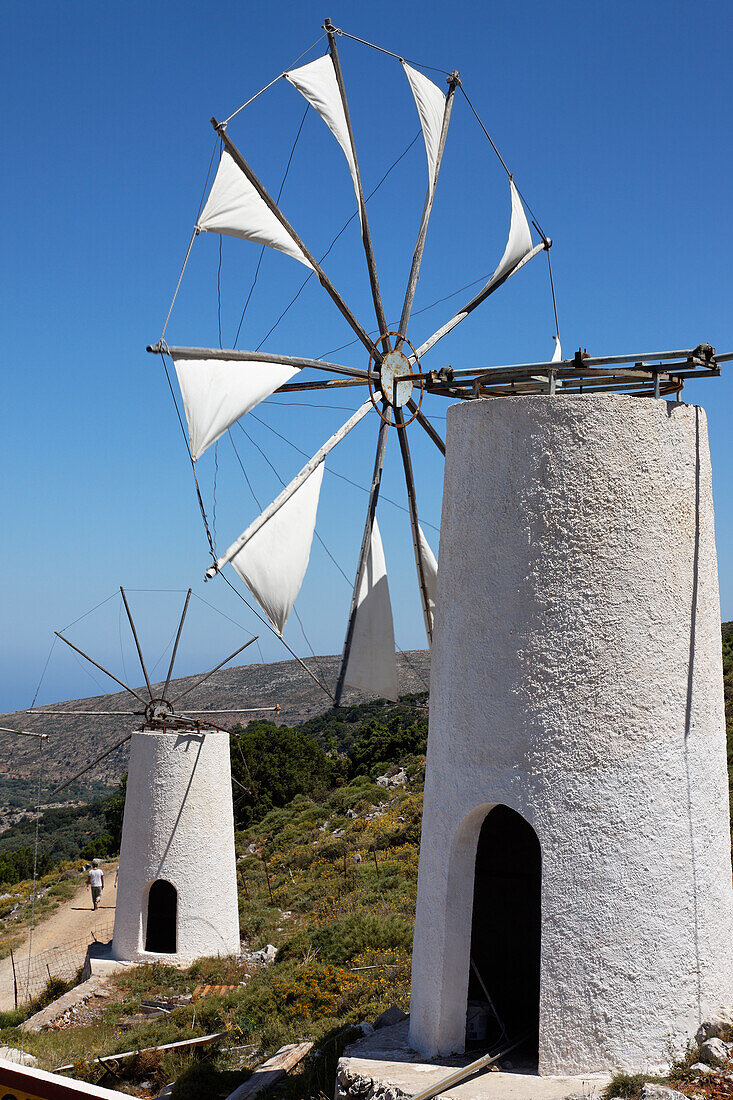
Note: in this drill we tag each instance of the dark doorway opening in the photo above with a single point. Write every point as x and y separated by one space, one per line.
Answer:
505 935
162 909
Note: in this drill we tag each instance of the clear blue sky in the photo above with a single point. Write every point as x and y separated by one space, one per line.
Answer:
615 119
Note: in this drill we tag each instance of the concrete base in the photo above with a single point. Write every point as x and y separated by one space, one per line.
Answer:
384 1067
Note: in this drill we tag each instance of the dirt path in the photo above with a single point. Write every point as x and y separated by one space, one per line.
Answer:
59 943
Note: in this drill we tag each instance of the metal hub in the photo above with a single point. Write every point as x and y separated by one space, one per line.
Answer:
159 712
395 364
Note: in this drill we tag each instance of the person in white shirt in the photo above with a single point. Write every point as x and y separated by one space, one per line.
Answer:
95 882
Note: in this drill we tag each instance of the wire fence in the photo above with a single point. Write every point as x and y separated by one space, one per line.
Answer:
63 962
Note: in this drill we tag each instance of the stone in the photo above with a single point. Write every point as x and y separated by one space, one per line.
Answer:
338 833
653 1091
352 814
10 1054
715 1052
391 1015
701 1069
717 1025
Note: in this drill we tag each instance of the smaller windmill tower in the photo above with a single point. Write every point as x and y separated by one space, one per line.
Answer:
177 885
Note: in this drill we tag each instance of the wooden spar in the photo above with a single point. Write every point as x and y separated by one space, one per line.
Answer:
422 235
181 1044
220 665
425 423
275 209
482 295
256 357
288 491
321 384
25 733
89 767
137 643
459 1075
101 668
412 502
364 552
175 645
266 1075
365 234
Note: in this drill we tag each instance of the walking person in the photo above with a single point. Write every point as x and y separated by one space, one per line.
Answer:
95 882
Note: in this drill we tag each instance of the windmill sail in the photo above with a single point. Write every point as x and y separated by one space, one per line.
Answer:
519 243
557 354
371 663
273 562
317 83
216 392
236 209
430 573
430 103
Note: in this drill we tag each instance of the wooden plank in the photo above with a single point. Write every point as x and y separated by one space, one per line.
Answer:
271 1071
181 1044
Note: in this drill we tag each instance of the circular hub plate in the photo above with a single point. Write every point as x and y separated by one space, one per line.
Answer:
395 364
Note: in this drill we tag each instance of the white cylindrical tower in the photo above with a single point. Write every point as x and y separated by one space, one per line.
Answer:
575 862
177 891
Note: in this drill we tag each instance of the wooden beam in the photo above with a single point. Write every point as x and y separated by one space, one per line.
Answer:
412 502
100 667
275 209
365 234
425 423
175 646
364 552
266 1075
257 357
137 643
220 665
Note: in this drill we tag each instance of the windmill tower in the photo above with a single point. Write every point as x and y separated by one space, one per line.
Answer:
575 870
177 888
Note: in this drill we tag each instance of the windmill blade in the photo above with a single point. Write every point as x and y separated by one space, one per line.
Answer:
274 560
434 109
221 664
353 161
175 644
366 544
425 423
517 253
288 491
312 262
137 643
371 663
101 668
94 762
24 733
417 541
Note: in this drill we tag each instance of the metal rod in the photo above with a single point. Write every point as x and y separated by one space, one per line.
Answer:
595 361
275 209
425 423
24 733
489 288
364 552
423 232
288 491
459 1075
175 646
243 356
101 668
412 502
232 710
89 767
137 642
487 995
131 713
365 234
220 665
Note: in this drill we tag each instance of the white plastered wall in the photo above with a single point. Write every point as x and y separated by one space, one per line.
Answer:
179 826
577 678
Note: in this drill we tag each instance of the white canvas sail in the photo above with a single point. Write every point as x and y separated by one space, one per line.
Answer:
430 103
372 665
216 392
317 83
273 562
236 209
430 573
519 244
557 354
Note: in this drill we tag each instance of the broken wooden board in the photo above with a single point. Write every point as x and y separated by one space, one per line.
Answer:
271 1071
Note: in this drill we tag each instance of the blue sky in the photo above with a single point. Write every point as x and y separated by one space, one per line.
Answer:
615 119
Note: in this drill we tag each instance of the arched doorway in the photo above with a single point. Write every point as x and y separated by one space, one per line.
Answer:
505 934
160 933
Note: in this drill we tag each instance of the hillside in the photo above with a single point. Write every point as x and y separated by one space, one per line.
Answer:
76 740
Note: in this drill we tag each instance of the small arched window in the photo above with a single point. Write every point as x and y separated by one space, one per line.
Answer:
160 934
